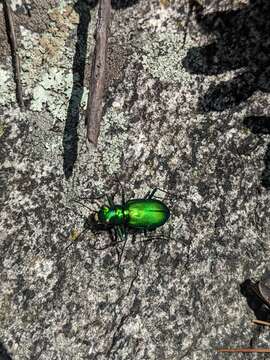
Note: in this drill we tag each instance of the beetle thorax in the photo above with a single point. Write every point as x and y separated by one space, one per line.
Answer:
112 215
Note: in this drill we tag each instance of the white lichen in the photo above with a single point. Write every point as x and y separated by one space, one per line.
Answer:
7 87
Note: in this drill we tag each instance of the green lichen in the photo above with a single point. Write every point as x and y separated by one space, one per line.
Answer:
54 91
2 129
47 63
7 87
162 56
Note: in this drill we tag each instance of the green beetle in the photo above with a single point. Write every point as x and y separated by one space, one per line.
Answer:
144 214
140 214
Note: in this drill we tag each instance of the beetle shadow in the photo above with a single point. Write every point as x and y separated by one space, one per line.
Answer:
261 125
4 355
242 43
70 137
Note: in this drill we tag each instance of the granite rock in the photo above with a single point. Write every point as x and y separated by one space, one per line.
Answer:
185 90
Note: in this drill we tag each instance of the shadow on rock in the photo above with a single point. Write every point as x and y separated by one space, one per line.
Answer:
261 125
121 4
242 41
3 353
261 311
249 291
70 138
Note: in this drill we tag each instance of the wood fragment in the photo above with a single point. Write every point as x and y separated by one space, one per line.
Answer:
14 51
98 70
260 322
244 350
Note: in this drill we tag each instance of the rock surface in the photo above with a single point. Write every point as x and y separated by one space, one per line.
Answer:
180 114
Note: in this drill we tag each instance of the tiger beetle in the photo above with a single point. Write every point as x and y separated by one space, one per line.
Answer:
145 214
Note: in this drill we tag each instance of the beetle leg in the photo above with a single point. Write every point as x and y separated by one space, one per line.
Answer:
110 201
123 232
117 234
151 194
147 195
122 190
123 195
94 200
80 203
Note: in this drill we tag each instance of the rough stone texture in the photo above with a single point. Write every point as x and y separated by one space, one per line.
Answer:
180 116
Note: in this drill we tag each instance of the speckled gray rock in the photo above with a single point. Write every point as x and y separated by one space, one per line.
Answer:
170 121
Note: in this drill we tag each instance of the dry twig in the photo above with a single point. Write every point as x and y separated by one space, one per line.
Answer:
14 51
249 350
98 70
260 322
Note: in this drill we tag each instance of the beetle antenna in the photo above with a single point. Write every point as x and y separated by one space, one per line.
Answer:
121 253
78 202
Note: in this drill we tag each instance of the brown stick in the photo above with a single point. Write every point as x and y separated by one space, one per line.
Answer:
247 350
260 322
98 70
14 54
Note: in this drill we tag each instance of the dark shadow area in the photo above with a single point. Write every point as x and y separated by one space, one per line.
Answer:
258 124
266 171
261 125
250 291
3 353
70 138
122 4
242 42
260 308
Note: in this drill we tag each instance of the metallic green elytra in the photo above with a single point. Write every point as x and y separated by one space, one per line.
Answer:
144 214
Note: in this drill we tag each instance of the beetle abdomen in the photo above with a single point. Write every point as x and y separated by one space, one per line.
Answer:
146 214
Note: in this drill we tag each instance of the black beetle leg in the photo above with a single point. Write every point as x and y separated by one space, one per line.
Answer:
147 195
152 193
110 201
87 207
122 190
123 196
123 236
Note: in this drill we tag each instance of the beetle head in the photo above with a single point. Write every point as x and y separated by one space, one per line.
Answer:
102 216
